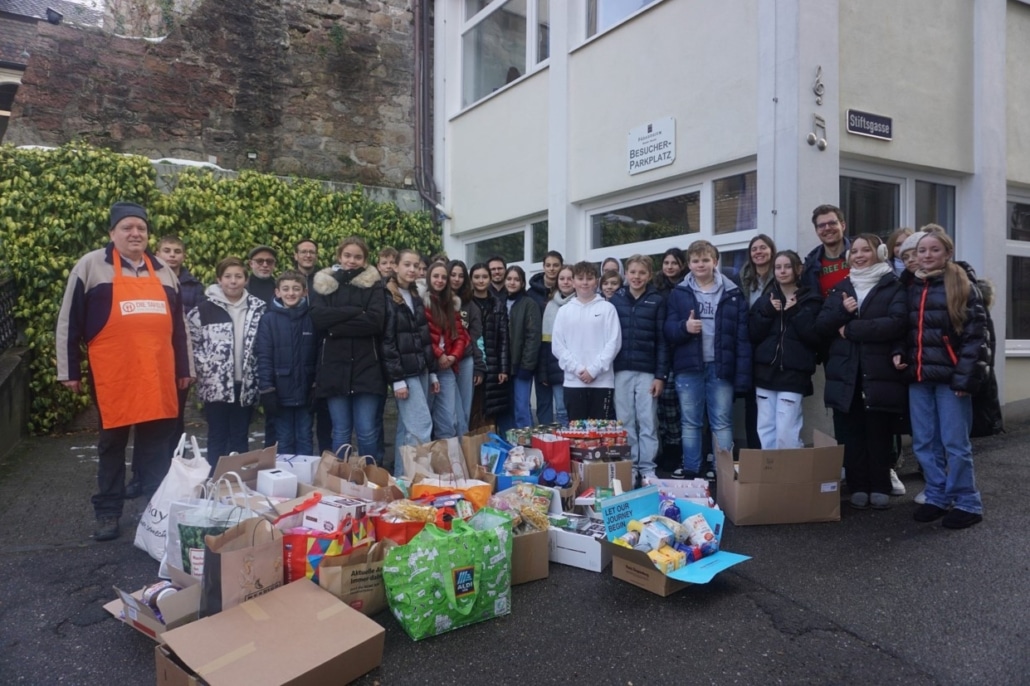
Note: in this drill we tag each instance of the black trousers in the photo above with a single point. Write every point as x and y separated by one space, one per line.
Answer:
868 438
590 403
150 459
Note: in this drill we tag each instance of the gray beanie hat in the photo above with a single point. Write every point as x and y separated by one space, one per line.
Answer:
121 210
912 241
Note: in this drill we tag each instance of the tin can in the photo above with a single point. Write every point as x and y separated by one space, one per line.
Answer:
154 592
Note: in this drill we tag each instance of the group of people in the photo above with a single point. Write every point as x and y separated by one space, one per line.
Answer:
897 326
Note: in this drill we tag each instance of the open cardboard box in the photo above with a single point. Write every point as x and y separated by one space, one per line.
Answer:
177 609
297 634
782 486
247 465
601 474
636 567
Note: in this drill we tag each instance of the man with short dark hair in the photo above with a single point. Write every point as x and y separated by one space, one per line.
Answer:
124 305
541 288
305 259
826 265
497 267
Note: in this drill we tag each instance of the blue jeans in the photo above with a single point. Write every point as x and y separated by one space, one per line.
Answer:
561 416
466 391
356 413
414 420
293 426
445 405
940 440
638 412
544 402
228 425
521 391
698 391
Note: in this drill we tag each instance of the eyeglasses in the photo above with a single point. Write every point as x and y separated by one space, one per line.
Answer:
828 225
268 261
307 252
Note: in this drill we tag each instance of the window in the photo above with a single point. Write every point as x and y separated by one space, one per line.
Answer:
870 206
501 41
510 246
604 14
1017 320
935 204
1019 221
540 237
7 92
736 203
675 216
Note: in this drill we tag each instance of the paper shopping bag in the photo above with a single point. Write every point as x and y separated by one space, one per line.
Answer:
472 443
556 450
443 580
356 578
239 564
438 457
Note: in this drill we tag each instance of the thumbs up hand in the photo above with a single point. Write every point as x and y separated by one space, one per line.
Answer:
693 324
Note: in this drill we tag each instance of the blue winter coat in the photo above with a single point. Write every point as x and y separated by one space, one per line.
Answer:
286 348
732 345
643 332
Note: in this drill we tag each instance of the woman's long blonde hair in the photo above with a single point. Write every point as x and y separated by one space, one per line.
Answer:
956 280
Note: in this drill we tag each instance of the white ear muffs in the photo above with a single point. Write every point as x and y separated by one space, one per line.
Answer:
881 252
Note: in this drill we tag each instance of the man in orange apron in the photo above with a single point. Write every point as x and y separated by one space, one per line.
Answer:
124 305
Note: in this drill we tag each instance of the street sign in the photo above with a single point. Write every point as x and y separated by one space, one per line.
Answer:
872 125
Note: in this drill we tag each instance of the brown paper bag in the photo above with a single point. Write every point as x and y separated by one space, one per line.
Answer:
438 457
471 444
357 577
241 563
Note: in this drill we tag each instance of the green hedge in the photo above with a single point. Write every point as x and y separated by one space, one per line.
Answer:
54 207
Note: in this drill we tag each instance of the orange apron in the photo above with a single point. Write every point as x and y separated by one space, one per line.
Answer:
132 360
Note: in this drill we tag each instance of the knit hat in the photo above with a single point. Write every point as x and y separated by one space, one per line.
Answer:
260 249
912 241
121 210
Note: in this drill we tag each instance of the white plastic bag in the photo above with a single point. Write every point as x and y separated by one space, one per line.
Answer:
184 475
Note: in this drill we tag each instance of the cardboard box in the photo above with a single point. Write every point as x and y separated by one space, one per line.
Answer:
635 567
277 483
601 474
577 550
782 486
297 634
303 466
608 453
177 609
328 514
530 557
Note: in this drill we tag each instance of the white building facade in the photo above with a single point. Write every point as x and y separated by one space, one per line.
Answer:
612 127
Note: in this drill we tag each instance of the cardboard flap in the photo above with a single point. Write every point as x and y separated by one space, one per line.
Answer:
297 630
247 465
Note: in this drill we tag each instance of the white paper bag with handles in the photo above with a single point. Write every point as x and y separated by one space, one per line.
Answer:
184 475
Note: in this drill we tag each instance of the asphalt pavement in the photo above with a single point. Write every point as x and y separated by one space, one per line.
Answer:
873 599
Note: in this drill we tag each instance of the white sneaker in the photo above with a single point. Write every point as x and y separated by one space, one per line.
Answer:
897 488
920 498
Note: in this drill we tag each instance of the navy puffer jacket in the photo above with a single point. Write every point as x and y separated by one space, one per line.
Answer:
937 353
643 332
864 356
732 345
785 340
285 348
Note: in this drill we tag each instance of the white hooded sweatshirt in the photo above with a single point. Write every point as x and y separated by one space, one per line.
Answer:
587 336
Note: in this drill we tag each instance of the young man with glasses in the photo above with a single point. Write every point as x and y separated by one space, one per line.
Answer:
305 258
826 265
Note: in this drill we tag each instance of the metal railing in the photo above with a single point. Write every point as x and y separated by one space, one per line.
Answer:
8 298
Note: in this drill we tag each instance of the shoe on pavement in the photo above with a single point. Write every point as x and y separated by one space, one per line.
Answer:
880 501
920 498
107 529
859 501
960 519
897 488
681 473
133 490
928 513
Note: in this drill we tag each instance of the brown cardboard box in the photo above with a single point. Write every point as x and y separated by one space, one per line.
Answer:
529 557
177 609
782 486
247 465
639 571
600 474
297 634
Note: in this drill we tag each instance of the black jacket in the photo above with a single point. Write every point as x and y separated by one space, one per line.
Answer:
937 353
524 329
643 339
539 292
285 350
496 354
348 307
813 267
407 346
472 320
785 341
864 357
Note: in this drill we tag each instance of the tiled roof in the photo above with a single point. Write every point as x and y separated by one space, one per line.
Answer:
73 12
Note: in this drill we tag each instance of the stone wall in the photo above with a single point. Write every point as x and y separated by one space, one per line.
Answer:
313 88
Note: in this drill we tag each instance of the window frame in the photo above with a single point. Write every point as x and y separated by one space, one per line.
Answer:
525 226
584 17
1014 347
533 65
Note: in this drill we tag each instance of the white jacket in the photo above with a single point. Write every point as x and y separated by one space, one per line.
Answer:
587 336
